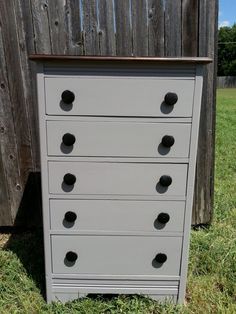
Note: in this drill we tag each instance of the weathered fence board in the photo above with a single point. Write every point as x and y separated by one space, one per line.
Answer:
204 184
156 43
90 27
96 27
173 25
75 34
107 39
189 28
123 28
139 27
58 26
19 160
41 30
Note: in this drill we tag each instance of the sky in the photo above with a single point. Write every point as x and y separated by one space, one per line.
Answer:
227 12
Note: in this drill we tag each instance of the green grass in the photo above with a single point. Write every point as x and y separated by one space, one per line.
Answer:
212 265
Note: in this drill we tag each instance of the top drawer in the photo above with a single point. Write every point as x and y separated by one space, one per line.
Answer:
119 95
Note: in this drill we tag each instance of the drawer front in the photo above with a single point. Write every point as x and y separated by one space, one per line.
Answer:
119 96
118 139
116 178
116 255
120 216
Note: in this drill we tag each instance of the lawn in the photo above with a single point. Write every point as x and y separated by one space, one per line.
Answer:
212 266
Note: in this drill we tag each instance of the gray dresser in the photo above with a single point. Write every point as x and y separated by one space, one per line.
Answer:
118 141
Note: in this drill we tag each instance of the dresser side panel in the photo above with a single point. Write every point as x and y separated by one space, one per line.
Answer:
44 179
191 180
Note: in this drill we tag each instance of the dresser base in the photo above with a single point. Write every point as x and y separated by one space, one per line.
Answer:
162 291
70 295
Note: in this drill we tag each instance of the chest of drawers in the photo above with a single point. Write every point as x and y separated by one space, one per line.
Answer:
118 140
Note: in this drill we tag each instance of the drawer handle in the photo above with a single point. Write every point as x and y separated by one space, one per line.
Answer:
71 256
163 218
70 216
168 141
68 97
68 139
161 258
171 99
165 180
69 179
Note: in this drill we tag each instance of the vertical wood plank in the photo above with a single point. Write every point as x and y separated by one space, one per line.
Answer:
58 26
123 28
204 184
41 31
107 43
5 206
173 28
11 181
189 28
75 34
31 187
26 46
90 27
156 30
139 27
5 203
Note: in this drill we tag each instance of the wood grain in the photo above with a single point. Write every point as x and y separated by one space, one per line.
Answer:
173 28
58 26
90 27
189 27
41 30
75 34
123 28
204 185
156 38
107 42
139 27
12 147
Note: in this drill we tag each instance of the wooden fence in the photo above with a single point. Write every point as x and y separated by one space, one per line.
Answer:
94 27
226 82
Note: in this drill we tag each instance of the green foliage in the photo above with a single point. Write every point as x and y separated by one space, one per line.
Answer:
212 272
227 51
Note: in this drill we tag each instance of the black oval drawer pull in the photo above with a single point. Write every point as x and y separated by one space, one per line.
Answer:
161 258
163 218
168 141
165 180
71 256
68 139
171 99
67 97
70 216
69 179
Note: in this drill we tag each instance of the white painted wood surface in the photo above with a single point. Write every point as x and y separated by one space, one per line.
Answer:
118 139
119 96
117 178
116 255
120 216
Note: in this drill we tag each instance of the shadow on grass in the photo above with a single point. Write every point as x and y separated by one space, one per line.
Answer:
28 246
26 239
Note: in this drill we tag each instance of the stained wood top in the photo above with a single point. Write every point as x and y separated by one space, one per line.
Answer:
64 58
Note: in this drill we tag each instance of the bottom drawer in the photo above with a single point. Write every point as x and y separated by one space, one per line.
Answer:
116 255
